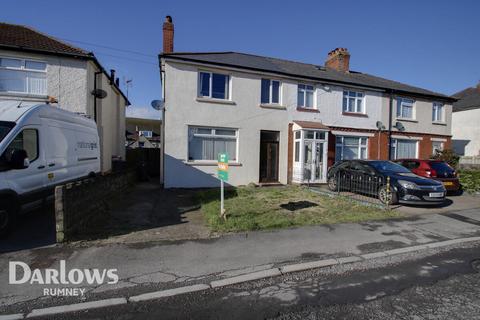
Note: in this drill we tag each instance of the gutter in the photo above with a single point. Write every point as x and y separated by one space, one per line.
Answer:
90 56
400 92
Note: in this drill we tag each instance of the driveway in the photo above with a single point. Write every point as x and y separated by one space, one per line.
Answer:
454 203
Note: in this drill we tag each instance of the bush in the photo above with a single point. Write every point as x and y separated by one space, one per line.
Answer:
448 155
470 180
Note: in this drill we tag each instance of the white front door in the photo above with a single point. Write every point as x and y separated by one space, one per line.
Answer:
314 161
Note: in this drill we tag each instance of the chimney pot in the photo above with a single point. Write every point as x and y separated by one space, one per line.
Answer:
338 59
112 76
168 31
117 82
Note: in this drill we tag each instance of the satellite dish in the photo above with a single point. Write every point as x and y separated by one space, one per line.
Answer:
399 126
380 126
157 104
99 93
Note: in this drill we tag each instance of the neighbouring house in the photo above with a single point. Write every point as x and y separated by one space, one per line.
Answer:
466 122
37 67
143 133
286 122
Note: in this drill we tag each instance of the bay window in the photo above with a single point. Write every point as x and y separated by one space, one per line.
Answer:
348 148
23 76
206 143
213 85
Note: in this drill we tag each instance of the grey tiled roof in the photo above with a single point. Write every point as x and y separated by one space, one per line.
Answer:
468 99
299 69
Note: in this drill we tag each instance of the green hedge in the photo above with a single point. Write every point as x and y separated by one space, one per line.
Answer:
470 180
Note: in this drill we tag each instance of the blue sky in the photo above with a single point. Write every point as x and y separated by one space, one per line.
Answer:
431 44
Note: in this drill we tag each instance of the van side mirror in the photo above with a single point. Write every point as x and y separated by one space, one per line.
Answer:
19 159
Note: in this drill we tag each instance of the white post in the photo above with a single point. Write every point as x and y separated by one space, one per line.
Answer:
222 210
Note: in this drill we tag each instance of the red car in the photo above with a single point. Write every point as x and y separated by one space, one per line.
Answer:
434 169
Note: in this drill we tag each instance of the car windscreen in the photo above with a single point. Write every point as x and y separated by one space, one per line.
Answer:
5 128
441 167
388 166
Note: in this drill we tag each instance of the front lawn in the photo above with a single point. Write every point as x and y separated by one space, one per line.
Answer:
251 208
470 180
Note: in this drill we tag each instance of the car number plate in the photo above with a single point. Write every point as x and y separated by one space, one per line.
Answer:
436 194
448 183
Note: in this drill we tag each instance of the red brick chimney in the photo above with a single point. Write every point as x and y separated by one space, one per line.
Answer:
168 35
338 59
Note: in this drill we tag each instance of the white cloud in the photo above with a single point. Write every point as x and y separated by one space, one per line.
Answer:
143 112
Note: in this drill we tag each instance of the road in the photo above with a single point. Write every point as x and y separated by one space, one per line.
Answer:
439 284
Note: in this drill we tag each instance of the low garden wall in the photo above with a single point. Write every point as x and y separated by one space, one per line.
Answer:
81 206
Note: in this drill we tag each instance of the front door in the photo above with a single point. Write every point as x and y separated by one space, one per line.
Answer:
269 156
313 161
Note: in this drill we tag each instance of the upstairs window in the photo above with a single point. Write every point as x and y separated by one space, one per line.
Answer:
23 76
437 112
213 85
270 91
353 102
405 108
305 96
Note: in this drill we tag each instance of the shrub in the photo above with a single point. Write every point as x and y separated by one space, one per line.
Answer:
470 180
447 155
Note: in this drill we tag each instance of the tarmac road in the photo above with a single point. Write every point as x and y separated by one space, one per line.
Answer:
435 284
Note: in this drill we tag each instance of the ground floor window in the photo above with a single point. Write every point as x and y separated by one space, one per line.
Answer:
206 143
347 148
404 149
436 146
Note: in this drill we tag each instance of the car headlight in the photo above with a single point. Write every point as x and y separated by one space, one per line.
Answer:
408 185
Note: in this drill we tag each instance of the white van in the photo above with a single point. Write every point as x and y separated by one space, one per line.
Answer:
41 146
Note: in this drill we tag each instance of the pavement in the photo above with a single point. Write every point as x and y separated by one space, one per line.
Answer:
147 267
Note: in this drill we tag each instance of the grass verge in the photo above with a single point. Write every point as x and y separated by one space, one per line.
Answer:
251 208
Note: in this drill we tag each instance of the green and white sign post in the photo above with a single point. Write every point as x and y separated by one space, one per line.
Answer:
223 176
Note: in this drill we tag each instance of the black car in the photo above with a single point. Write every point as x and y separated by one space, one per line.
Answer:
371 177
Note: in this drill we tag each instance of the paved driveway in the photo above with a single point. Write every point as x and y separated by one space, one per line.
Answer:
454 203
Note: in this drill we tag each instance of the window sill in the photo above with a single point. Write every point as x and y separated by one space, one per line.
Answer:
207 163
355 114
213 100
302 109
439 123
406 119
272 106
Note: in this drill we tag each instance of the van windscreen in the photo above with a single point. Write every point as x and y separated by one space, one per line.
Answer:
5 128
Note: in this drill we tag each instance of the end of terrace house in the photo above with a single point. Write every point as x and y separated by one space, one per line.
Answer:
287 122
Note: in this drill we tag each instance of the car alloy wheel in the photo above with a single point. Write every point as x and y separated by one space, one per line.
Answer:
385 196
332 183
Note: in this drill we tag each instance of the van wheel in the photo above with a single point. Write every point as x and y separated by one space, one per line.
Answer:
387 197
7 217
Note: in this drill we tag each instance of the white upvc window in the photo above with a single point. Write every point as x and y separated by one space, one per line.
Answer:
436 146
146 133
404 149
270 91
213 85
438 112
348 148
23 76
305 96
353 101
405 108
205 143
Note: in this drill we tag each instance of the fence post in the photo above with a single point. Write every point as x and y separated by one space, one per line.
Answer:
388 192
